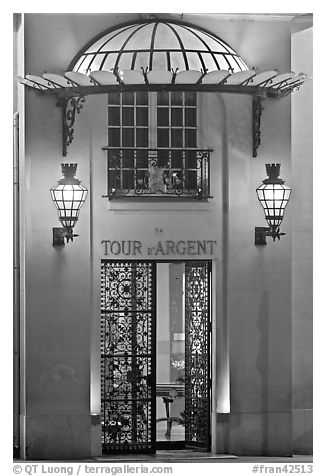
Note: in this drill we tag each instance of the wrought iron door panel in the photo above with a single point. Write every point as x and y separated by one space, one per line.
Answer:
197 354
128 356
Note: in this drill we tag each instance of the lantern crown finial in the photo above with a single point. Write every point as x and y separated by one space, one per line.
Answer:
273 172
69 172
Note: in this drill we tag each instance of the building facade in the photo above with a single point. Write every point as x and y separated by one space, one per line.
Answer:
163 300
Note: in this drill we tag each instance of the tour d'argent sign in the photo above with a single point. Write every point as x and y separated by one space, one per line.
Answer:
160 248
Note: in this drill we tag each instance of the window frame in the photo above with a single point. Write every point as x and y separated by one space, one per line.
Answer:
173 169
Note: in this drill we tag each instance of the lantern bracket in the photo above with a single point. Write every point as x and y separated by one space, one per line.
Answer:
70 107
59 235
257 110
261 232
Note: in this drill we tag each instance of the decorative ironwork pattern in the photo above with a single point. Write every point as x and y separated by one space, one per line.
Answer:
257 110
197 354
128 356
70 107
142 172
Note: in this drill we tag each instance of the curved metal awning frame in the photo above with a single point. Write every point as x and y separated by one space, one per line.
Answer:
71 89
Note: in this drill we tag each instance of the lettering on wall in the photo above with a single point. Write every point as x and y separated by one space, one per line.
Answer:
160 248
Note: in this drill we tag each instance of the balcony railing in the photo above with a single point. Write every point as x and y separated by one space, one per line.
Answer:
143 172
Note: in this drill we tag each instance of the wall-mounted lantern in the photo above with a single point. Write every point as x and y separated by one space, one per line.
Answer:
273 196
68 197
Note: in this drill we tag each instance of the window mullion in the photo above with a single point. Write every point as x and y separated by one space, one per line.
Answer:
170 121
134 153
152 127
135 119
183 121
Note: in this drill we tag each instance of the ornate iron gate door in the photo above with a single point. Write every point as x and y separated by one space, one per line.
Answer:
128 292
197 354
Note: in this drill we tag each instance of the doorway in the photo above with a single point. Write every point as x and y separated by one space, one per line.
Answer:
155 355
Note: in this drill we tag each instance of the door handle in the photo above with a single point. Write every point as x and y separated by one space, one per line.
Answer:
150 380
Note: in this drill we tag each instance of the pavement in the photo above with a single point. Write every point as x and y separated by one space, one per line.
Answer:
182 456
185 456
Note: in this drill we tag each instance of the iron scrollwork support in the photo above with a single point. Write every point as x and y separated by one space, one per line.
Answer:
257 110
70 107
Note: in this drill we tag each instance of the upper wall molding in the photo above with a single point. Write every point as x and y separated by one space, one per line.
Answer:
286 17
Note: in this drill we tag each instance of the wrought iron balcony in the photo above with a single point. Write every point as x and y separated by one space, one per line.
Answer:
143 172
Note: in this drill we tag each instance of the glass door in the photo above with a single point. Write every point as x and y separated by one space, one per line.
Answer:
183 355
170 368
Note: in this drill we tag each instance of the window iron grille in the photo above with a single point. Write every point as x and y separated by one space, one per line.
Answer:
146 172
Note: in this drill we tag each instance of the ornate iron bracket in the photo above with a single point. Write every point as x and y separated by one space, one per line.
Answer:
261 232
59 235
70 107
257 109
73 105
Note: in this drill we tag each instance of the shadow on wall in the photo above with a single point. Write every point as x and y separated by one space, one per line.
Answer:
300 444
262 365
275 401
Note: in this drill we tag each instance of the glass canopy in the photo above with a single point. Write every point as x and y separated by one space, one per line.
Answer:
152 55
157 45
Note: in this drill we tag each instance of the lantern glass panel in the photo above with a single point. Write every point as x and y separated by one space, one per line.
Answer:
68 199
273 198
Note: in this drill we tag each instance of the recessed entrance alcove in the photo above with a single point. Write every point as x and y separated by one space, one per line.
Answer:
156 358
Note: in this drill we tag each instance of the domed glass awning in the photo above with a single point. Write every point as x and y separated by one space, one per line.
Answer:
151 54
154 55
157 45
